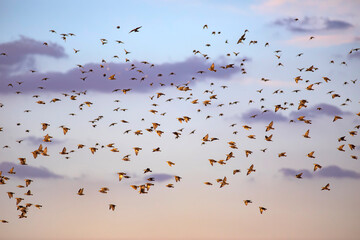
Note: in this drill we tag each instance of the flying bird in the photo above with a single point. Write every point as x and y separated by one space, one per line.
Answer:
135 29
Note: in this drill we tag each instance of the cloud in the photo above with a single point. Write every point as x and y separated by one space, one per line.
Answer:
312 112
262 117
28 171
288 172
127 75
36 141
337 25
160 177
312 24
354 55
337 172
326 172
21 53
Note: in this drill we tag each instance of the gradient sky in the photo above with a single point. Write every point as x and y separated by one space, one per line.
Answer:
171 30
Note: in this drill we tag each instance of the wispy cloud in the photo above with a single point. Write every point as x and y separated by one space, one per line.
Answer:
20 53
312 24
36 141
310 113
28 171
95 76
160 177
354 55
326 172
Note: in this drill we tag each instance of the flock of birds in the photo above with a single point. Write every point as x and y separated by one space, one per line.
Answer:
155 126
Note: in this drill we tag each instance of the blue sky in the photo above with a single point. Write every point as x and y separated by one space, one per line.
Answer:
170 31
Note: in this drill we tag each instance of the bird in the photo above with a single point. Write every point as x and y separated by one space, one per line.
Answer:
311 154
44 126
28 193
212 68
63 152
22 161
10 194
262 209
268 138
340 148
137 149
28 182
135 29
80 192
299 175
170 163
18 200
306 135
93 149
223 182
246 202
241 39
38 206
104 190
112 207
147 170
326 187
248 152
250 169
337 118
212 161
317 166
11 171
112 77
270 126
121 175
246 127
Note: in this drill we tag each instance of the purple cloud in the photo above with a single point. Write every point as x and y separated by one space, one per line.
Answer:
127 76
20 53
354 55
160 177
27 171
36 141
312 112
326 172
312 24
337 172
262 116
288 172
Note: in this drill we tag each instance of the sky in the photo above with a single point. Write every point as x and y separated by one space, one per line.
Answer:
103 91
